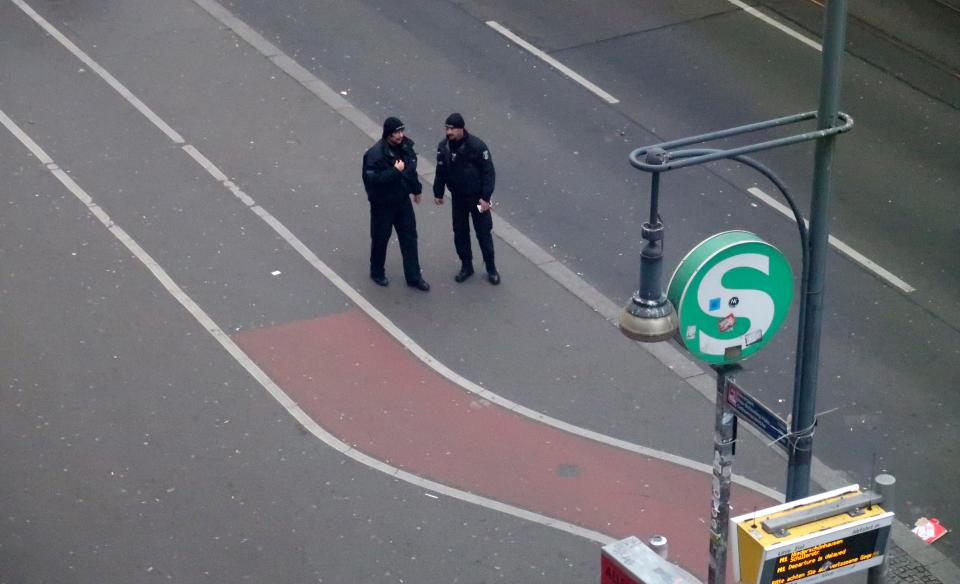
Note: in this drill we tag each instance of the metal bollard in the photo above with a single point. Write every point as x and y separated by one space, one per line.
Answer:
658 543
885 485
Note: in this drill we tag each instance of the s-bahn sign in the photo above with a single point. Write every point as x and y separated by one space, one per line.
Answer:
732 293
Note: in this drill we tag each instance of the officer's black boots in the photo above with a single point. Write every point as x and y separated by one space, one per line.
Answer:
492 274
380 280
466 270
420 284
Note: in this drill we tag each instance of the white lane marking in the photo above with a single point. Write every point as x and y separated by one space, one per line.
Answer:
257 373
836 243
360 120
218 175
781 27
553 62
106 76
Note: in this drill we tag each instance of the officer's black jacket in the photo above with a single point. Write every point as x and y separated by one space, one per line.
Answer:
384 183
466 169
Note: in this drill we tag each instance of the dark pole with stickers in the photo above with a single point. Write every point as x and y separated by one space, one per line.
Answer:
724 448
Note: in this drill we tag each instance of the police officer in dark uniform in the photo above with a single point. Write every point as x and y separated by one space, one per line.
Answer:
465 167
390 177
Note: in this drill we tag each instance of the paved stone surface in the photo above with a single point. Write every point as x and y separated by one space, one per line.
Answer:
903 568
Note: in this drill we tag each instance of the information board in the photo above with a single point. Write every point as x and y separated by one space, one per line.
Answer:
834 544
821 559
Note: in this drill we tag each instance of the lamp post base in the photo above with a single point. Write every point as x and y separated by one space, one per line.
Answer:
648 321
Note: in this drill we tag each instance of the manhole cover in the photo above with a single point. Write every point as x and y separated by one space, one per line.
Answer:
568 470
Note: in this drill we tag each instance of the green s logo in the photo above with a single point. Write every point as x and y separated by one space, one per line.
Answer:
732 292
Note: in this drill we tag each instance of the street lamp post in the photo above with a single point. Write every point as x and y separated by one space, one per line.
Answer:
650 317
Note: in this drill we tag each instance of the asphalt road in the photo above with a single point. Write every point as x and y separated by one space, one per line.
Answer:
85 315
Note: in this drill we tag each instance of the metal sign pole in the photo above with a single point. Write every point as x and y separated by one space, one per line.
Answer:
808 351
724 441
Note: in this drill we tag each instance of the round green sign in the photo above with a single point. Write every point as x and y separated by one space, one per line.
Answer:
732 293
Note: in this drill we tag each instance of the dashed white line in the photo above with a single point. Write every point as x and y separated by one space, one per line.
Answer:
553 62
606 96
777 25
837 244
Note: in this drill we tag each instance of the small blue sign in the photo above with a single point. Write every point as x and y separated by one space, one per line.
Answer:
759 416
714 304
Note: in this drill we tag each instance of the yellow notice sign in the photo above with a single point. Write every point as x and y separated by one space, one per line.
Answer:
810 540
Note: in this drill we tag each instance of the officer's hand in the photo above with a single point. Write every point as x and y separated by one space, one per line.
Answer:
399 165
484 206
416 199
438 201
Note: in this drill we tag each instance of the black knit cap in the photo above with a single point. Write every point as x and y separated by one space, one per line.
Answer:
391 125
454 120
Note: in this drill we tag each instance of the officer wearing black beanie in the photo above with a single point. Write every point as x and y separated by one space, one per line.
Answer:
464 166
390 178
391 125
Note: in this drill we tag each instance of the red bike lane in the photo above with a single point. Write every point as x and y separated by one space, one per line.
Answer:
364 387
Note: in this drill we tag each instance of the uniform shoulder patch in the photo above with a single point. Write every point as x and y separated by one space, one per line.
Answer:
486 155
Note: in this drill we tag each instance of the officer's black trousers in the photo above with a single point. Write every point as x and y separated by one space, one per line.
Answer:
384 218
465 208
